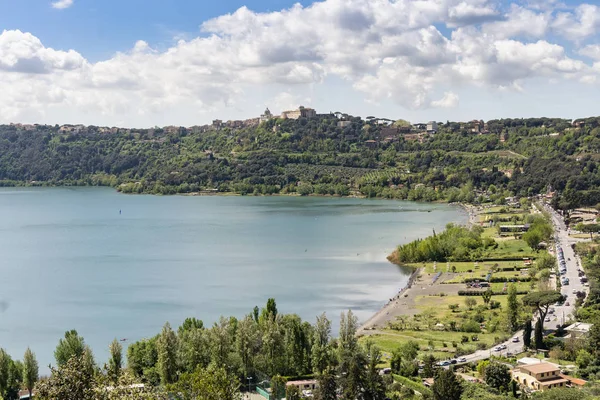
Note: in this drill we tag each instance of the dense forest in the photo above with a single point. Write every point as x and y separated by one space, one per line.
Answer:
470 162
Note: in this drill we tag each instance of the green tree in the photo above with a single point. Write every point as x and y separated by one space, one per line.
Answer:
470 302
5 362
327 389
30 370
292 392
72 345
446 386
512 308
212 383
247 344
193 350
374 386
541 301
429 366
115 362
70 380
166 346
487 296
527 334
221 341
321 348
497 376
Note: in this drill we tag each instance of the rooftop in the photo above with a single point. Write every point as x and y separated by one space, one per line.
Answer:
539 368
579 327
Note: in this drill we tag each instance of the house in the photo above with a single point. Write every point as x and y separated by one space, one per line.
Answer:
304 385
432 127
578 329
217 123
371 144
541 376
343 124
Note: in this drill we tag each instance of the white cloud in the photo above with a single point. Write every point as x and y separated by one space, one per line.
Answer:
62 4
583 23
387 51
592 51
450 100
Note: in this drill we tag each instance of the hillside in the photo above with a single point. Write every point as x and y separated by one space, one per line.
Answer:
460 162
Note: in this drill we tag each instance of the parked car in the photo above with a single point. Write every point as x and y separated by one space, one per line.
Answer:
515 339
462 360
567 304
453 361
509 354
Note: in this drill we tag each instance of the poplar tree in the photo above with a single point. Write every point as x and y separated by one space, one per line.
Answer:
115 363
167 355
512 308
30 370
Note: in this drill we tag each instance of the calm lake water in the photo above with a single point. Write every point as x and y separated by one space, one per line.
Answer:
71 260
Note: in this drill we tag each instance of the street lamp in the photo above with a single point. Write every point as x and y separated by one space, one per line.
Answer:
249 387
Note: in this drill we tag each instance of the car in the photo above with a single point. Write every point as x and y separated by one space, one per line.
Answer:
567 304
547 319
445 363
509 354
551 311
586 284
503 347
462 360
498 348
515 339
453 361
574 291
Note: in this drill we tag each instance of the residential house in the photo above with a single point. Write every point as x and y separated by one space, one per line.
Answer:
579 329
371 144
432 127
304 385
343 124
541 376
217 123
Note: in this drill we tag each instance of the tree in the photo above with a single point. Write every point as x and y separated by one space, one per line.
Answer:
5 361
193 350
70 380
533 238
487 296
327 389
321 349
247 344
527 334
212 383
374 386
292 392
115 362
446 386
512 308
541 301
72 345
470 302
166 346
30 370
538 334
190 324
429 366
497 376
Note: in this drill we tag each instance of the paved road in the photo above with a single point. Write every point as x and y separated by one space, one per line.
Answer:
562 313
565 312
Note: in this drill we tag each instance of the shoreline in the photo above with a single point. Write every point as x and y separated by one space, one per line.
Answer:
383 314
371 322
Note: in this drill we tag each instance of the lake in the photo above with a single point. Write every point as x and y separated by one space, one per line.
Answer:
120 266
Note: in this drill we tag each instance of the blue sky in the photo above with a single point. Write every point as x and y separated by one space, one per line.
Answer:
183 62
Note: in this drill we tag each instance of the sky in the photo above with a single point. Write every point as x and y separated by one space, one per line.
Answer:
144 63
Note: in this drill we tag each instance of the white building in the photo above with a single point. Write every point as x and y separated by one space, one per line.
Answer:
579 329
432 127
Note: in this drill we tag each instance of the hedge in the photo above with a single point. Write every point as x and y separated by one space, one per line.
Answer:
416 386
480 292
500 279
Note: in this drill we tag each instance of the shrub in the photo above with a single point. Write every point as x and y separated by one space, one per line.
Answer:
470 327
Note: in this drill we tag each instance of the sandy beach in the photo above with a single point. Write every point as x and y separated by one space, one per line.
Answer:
420 283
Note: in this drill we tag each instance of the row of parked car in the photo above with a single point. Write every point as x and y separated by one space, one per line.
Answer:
447 363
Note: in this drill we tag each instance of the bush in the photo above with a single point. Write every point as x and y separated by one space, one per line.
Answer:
470 327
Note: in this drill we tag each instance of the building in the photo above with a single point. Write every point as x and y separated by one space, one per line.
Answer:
432 127
371 144
306 386
266 116
540 376
579 329
217 123
343 124
303 112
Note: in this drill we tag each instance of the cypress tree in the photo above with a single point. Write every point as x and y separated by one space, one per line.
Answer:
527 334
539 335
